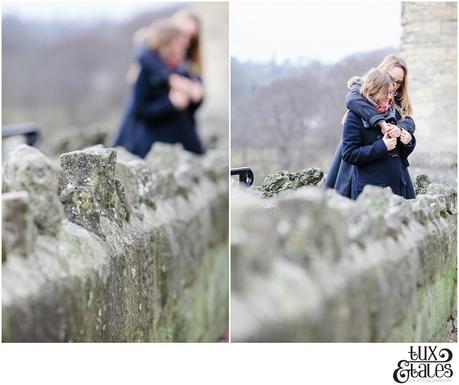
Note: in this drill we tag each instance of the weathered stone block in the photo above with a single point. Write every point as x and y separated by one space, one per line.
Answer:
137 181
27 169
284 180
18 227
89 191
365 265
421 183
130 264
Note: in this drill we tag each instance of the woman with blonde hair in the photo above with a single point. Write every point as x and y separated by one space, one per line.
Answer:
379 159
164 97
340 172
190 24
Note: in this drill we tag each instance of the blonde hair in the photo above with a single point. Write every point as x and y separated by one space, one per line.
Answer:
194 55
389 63
162 33
374 82
371 84
157 37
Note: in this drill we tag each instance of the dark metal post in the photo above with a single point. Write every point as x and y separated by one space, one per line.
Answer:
245 175
29 130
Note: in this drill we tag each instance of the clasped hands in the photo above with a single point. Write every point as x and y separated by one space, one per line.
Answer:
391 133
184 91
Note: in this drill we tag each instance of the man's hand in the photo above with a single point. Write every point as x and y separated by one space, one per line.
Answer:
405 137
389 142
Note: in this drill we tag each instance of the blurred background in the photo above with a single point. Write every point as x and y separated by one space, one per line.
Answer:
65 65
289 79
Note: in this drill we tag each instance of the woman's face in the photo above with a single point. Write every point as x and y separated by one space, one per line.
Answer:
177 49
398 75
383 97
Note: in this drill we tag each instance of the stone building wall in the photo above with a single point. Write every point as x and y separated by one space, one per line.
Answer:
429 45
105 246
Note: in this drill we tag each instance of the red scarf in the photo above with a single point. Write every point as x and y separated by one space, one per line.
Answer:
382 108
173 64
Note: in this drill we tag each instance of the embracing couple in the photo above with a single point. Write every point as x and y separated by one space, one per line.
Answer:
378 133
166 87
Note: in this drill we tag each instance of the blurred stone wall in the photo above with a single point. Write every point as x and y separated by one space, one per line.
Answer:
429 45
215 39
105 246
381 268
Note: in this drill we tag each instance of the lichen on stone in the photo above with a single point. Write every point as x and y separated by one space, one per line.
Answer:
89 190
285 180
27 169
421 183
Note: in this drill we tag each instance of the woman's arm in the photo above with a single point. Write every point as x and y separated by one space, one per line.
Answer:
360 106
159 108
406 149
151 62
195 105
196 102
151 109
408 124
353 150
190 86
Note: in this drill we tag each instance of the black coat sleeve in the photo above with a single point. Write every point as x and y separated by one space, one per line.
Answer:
194 105
407 123
360 106
160 107
354 151
158 72
406 149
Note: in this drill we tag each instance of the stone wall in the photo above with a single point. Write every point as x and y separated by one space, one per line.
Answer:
330 269
429 46
215 45
107 247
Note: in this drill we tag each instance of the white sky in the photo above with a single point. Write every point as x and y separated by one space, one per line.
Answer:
78 10
321 30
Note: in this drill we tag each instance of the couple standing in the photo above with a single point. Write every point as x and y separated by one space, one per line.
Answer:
167 88
378 133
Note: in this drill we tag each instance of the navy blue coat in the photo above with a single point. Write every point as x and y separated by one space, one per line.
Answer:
340 172
151 117
364 148
357 103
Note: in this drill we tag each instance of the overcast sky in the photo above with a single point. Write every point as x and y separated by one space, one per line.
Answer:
322 30
78 10
326 31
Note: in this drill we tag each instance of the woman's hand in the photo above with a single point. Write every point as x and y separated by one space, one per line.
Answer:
179 99
178 83
393 131
405 137
384 126
389 142
194 90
